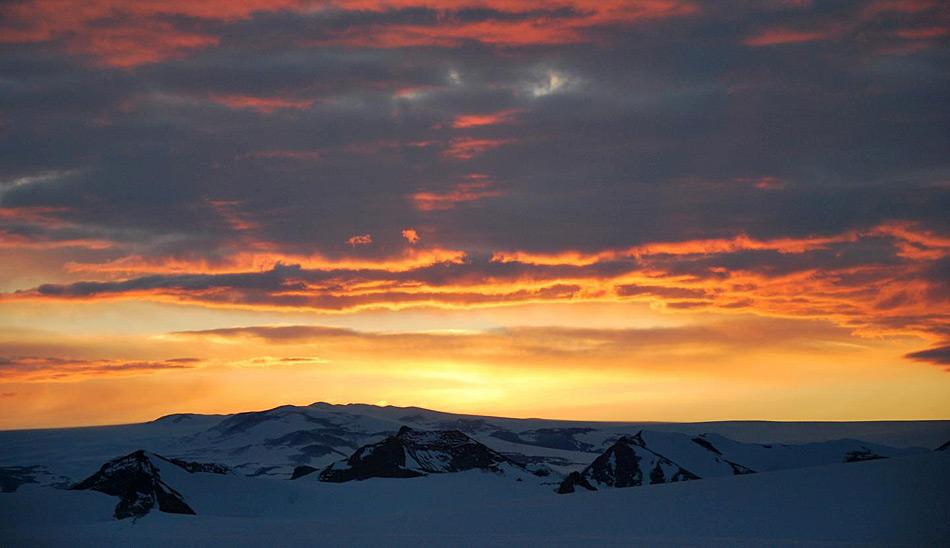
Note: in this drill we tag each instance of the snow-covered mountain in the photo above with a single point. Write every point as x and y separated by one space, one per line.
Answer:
273 443
651 457
226 479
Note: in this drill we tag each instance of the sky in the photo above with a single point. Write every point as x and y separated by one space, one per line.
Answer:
599 210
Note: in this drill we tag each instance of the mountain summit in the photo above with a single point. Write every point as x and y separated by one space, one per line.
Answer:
413 453
627 463
136 479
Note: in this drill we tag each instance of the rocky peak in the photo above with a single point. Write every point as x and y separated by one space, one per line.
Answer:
136 479
413 453
626 463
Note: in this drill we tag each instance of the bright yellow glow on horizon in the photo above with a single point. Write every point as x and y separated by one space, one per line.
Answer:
631 364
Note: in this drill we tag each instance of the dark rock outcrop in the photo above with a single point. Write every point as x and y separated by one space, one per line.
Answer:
860 455
737 469
413 453
136 480
572 481
944 447
627 463
205 467
302 471
703 442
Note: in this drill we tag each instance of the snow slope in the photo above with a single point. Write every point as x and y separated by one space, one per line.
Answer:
891 502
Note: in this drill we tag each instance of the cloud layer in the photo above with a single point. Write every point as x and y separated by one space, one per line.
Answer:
785 159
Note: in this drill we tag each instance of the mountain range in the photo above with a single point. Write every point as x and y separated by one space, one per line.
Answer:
193 464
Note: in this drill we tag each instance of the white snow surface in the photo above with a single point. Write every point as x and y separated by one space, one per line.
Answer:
893 502
801 495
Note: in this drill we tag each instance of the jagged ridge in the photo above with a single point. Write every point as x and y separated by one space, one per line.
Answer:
136 480
627 463
413 453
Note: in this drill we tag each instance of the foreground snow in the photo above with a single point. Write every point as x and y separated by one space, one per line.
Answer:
900 501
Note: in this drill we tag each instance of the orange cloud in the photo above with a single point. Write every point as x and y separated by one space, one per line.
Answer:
38 215
17 241
896 290
360 239
47 369
265 105
688 247
782 36
229 210
913 242
410 235
126 47
914 21
41 224
577 27
124 34
478 187
466 148
898 6
769 183
243 260
490 119
923 33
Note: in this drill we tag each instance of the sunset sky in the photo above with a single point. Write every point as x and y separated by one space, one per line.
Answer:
617 210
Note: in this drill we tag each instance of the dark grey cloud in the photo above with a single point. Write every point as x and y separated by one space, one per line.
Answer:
634 132
939 355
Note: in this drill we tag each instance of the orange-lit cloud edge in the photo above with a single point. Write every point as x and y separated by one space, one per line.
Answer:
125 35
872 298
